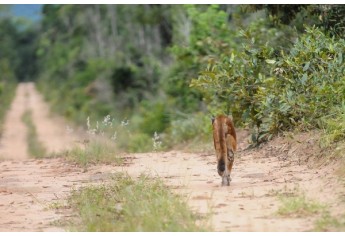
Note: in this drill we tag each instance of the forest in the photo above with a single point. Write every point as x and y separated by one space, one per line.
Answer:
165 70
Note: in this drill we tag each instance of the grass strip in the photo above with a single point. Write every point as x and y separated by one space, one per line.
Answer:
35 147
298 206
126 204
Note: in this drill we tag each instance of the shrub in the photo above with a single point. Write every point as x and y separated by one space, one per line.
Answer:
333 125
275 93
154 117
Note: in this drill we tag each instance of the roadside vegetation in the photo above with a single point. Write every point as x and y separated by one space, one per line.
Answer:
294 204
330 223
94 152
128 204
7 93
185 62
298 206
16 57
273 68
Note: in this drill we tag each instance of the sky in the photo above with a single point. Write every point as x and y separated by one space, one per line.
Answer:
30 11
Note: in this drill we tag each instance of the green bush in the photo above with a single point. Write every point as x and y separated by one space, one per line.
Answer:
139 142
333 125
277 92
154 117
209 37
310 79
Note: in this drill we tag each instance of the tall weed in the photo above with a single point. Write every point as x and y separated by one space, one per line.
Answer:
94 152
107 139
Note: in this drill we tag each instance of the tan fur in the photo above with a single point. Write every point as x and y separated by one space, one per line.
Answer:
225 144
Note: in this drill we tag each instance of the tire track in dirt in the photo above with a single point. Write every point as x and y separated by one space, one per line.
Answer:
28 186
51 130
13 141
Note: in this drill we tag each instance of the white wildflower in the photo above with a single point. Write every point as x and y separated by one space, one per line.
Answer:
88 123
92 131
124 122
106 121
114 137
156 141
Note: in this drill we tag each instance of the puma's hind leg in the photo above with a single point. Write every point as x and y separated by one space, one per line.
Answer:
223 171
230 162
226 178
230 158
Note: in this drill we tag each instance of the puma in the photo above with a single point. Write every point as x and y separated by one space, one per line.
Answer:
225 144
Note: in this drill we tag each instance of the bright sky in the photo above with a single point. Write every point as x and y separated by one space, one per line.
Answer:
31 11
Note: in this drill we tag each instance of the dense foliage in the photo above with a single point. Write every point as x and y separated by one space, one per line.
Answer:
277 92
167 68
9 61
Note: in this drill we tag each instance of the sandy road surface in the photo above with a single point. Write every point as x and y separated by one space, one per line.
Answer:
21 178
251 202
29 187
13 141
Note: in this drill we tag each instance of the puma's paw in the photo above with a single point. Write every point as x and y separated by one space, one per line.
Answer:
226 180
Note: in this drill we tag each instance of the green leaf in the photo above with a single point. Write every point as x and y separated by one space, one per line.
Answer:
306 66
331 48
260 77
304 78
340 58
232 57
288 62
269 61
209 74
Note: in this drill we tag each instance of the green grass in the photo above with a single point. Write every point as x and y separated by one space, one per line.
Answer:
298 206
127 204
333 126
35 147
333 137
330 223
94 152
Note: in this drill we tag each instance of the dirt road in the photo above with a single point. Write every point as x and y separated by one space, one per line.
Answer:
29 188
